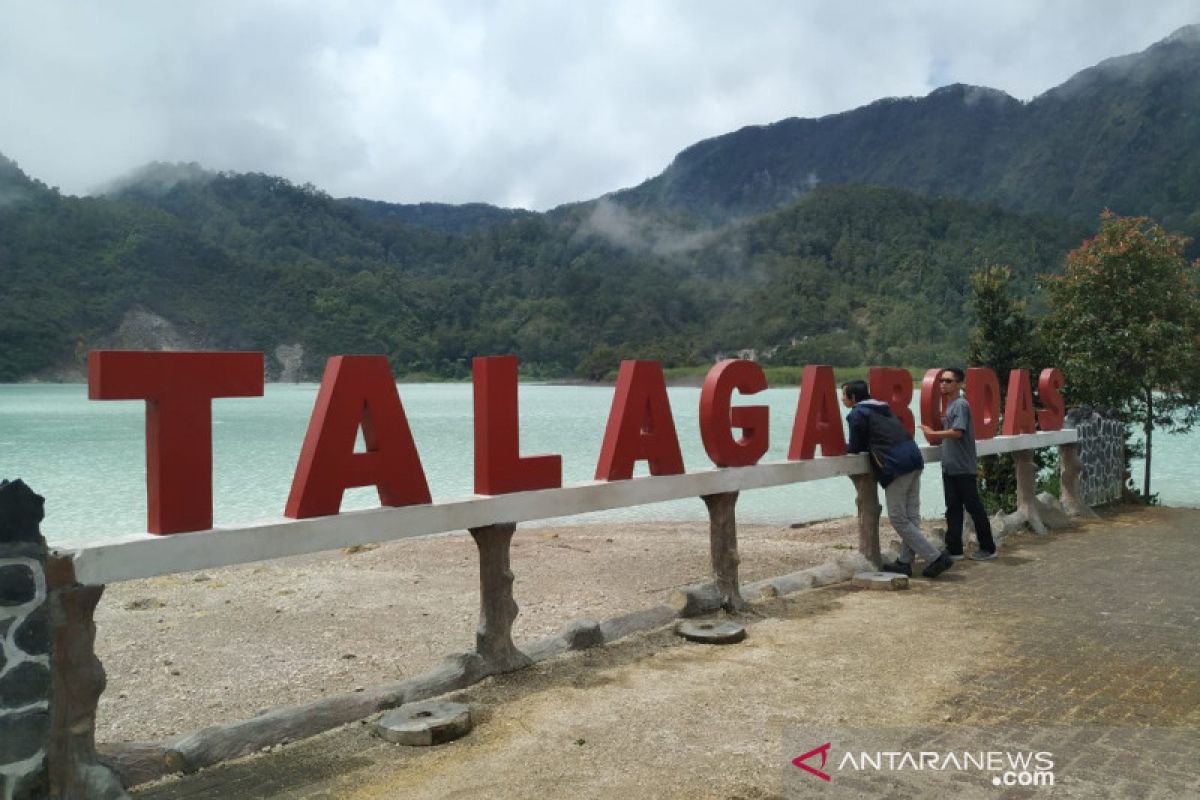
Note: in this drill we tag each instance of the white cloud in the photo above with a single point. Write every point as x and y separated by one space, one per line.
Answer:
515 103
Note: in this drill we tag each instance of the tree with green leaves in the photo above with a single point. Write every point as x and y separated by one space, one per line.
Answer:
1004 338
1124 327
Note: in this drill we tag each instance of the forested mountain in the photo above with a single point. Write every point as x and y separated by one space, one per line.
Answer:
1120 135
438 216
844 240
252 261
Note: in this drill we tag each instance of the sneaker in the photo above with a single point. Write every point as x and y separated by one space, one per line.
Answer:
943 563
953 556
983 555
899 567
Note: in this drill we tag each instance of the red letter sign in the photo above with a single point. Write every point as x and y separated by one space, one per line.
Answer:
1018 404
356 390
640 425
1050 417
894 386
717 418
983 395
933 402
178 388
818 421
499 467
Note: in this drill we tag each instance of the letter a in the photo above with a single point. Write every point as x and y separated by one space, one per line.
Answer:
640 425
1018 405
817 419
356 390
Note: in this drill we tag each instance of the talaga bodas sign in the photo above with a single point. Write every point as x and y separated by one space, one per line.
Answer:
359 392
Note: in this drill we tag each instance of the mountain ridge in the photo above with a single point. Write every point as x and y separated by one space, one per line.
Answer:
794 239
973 142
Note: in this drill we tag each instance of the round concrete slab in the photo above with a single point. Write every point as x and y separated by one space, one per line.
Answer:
884 581
711 631
427 723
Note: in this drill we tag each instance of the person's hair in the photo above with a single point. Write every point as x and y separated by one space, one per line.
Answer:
957 372
856 390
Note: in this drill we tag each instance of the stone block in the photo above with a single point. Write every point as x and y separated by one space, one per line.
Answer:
26 683
33 785
21 511
580 634
883 581
23 734
17 585
711 631
33 634
424 724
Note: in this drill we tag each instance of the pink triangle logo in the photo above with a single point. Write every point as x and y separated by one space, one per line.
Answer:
823 750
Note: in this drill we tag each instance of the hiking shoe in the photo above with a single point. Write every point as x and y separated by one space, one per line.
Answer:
983 555
943 563
899 567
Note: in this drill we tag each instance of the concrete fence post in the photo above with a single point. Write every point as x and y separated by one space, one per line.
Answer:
1027 503
50 678
723 547
1070 471
866 499
497 608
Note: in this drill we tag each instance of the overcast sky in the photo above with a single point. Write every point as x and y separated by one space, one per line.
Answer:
527 104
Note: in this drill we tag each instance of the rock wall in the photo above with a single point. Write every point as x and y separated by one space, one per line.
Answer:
24 646
1102 451
50 678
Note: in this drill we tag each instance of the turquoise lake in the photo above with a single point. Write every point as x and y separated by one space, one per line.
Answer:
87 458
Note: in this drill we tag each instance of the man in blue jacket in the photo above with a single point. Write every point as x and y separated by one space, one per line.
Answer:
897 464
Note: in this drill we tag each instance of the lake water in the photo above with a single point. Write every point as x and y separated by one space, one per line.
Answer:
87 458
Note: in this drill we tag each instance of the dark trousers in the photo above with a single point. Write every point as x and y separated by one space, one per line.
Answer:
962 492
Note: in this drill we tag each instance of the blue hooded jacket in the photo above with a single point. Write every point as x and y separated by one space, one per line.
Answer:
875 430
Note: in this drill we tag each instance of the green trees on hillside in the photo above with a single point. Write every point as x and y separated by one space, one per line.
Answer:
848 275
1005 337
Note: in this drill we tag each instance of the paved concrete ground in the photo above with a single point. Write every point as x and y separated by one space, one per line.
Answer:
1082 646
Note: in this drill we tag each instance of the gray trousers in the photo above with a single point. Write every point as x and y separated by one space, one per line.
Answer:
904 512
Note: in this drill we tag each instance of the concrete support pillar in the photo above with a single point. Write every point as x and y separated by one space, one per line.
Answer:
866 498
497 608
1070 471
723 547
1027 503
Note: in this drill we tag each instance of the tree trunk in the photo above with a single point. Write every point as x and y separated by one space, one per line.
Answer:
1148 429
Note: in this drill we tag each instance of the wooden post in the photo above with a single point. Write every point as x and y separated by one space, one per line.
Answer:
866 498
497 608
1070 471
1027 504
722 539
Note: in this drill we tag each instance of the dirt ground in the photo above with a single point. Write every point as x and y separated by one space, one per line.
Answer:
189 650
1085 640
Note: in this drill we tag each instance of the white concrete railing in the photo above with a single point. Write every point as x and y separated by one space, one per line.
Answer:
146 555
